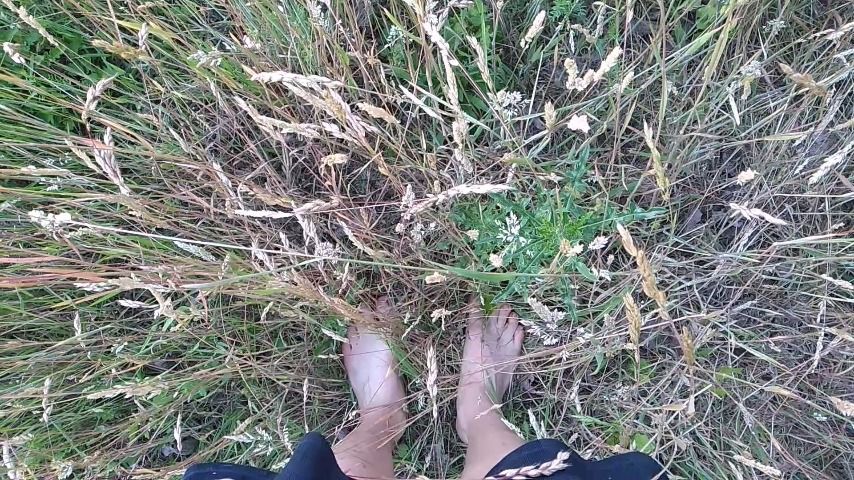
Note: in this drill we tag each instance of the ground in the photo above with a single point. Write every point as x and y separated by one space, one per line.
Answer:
197 197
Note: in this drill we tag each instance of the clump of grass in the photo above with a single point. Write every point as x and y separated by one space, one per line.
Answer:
196 197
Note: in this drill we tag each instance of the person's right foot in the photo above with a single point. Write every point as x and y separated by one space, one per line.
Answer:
492 348
372 372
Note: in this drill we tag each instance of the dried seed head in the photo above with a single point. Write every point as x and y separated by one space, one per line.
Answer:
549 116
534 30
480 61
634 319
746 176
830 162
435 278
844 407
803 80
767 470
377 112
142 36
686 341
432 378
627 240
11 49
93 95
658 167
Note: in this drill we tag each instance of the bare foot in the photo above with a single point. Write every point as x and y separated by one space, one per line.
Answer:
372 371
492 347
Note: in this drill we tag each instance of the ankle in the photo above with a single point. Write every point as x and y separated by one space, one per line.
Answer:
473 422
387 421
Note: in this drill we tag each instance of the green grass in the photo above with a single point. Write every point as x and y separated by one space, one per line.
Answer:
166 301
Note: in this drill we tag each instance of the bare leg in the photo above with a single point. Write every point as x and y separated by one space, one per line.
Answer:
366 453
493 346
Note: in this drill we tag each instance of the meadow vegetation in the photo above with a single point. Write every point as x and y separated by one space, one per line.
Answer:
196 197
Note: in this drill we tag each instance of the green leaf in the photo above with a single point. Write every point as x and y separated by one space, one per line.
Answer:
488 277
642 443
600 362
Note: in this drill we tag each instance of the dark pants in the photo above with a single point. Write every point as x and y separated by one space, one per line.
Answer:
314 460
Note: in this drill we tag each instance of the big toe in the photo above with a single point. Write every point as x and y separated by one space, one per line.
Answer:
474 326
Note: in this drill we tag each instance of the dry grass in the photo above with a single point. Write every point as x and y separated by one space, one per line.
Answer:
196 197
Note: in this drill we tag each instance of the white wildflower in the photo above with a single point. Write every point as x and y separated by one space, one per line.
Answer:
583 335
578 123
496 260
774 27
473 234
319 17
327 250
393 35
62 470
752 69
508 103
11 49
550 317
51 223
548 331
569 250
598 243
435 278
511 228
601 274
249 43
746 176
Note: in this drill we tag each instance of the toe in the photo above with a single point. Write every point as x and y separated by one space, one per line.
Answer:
347 347
502 313
518 337
352 335
510 328
383 306
474 327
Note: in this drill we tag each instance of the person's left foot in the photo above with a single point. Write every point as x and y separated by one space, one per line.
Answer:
372 371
